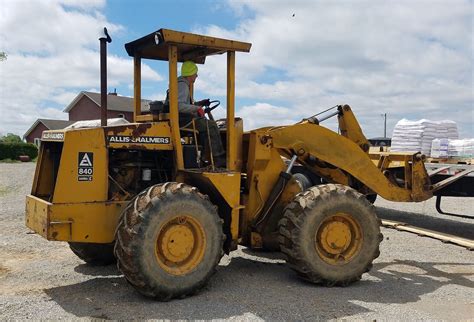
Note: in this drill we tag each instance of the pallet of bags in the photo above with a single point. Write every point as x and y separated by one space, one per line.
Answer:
461 148
418 136
450 129
439 148
414 136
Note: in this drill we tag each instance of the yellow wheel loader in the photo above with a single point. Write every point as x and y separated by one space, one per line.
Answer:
140 193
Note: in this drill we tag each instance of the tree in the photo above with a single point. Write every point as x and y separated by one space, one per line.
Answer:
3 56
10 138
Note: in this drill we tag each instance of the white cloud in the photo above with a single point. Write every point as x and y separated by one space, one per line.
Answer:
53 58
409 59
263 114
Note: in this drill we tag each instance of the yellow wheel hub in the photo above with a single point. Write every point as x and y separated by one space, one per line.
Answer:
338 239
180 245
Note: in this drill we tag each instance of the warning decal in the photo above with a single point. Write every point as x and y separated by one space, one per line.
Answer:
85 166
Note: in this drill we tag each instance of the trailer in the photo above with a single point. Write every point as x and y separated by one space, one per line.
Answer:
451 178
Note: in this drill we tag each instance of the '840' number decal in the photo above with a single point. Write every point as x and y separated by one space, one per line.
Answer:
85 166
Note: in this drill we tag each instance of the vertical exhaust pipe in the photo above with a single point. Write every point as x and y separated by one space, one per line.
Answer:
103 77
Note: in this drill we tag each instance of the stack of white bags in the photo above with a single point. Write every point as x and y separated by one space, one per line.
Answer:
439 148
431 138
461 148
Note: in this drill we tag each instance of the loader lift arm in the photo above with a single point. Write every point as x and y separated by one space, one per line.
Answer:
346 156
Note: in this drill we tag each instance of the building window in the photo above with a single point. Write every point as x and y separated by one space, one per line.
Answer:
37 142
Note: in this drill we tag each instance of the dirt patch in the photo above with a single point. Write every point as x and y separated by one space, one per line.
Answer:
4 191
8 190
3 270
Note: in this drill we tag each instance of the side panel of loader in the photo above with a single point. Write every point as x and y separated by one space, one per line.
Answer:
82 175
70 195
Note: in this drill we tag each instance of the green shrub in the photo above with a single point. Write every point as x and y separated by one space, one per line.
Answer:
14 150
10 138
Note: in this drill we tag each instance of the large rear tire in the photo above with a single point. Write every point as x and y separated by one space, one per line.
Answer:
169 241
94 254
330 235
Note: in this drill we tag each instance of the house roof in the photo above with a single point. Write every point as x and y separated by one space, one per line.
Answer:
114 102
50 124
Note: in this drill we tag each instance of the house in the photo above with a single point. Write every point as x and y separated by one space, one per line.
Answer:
86 106
33 134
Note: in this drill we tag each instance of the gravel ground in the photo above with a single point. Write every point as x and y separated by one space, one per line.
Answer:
414 278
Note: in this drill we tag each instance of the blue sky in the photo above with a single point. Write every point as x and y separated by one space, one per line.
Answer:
410 59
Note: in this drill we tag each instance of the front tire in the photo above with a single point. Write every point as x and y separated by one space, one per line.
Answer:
330 235
169 241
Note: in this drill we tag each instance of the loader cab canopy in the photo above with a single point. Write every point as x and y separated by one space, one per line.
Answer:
189 46
175 46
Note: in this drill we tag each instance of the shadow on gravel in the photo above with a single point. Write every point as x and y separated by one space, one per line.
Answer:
442 224
267 290
91 270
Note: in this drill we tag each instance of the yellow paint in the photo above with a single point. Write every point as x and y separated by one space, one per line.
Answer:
350 128
231 138
68 188
185 38
93 222
225 184
228 185
264 165
239 136
340 152
338 239
180 245
173 101
146 118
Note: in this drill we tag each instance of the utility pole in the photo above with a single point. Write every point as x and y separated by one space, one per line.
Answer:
384 124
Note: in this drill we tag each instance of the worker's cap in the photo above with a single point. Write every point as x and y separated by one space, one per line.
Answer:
188 68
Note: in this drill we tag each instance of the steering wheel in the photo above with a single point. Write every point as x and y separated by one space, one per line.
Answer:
212 106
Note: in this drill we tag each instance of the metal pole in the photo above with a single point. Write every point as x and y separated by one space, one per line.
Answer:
103 77
292 162
384 124
137 87
231 136
173 99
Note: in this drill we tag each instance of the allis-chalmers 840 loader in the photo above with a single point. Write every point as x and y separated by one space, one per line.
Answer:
139 193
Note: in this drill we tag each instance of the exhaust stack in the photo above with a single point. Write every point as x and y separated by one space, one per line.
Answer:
103 77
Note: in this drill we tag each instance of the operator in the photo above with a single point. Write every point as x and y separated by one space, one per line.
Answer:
189 110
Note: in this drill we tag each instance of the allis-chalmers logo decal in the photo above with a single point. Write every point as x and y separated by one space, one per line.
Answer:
52 136
140 139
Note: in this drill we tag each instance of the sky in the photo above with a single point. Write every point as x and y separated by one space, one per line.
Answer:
408 59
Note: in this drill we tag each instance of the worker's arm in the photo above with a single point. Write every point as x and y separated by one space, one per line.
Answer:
183 95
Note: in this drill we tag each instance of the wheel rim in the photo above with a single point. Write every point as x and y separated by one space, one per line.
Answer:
180 245
338 239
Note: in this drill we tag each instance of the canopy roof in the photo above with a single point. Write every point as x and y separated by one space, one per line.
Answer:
190 46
